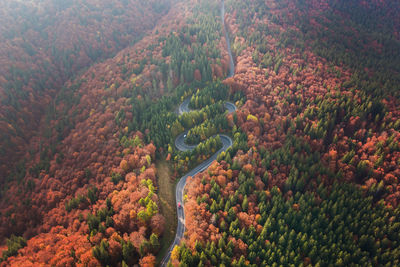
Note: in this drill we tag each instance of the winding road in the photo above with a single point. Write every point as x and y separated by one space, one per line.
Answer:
182 146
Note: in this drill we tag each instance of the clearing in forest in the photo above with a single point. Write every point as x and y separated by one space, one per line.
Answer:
166 194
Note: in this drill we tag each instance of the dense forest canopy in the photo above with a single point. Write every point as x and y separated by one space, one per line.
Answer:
90 99
44 43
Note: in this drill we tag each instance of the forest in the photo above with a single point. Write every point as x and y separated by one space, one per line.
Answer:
90 103
45 43
318 184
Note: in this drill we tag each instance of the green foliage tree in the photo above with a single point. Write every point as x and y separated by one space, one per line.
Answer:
101 253
14 243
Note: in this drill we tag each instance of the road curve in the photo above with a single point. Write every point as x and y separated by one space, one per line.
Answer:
226 143
230 106
182 146
184 107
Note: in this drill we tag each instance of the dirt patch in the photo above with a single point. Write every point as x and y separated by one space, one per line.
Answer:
166 194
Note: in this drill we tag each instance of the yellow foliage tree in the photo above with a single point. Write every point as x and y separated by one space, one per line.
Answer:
252 118
175 253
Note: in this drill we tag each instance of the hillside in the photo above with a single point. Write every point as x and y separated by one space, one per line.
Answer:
318 181
43 44
95 93
88 193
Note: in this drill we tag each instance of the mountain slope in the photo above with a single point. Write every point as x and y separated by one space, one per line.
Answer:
312 176
322 125
44 43
89 194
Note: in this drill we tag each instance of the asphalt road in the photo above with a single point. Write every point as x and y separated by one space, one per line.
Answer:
184 107
180 142
226 143
230 106
228 43
182 146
